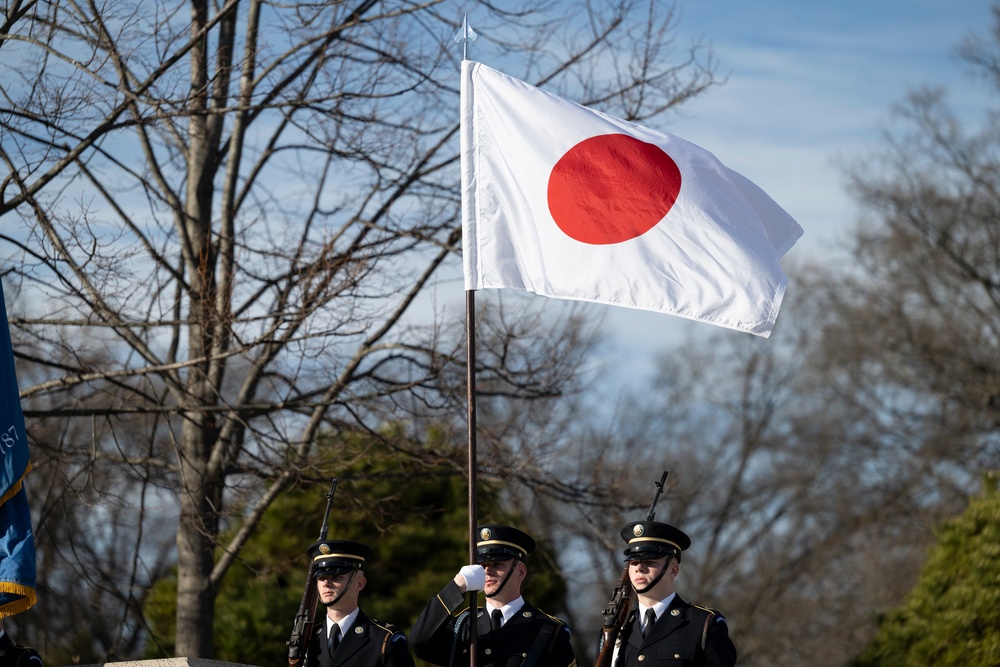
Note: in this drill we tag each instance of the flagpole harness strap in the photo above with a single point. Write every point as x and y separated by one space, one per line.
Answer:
542 640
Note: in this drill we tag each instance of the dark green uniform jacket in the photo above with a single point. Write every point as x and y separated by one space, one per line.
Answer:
530 638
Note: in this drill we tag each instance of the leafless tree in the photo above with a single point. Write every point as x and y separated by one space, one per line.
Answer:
809 505
231 226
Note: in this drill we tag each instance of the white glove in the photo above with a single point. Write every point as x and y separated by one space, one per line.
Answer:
475 577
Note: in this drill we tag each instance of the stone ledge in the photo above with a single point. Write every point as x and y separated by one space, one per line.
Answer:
170 662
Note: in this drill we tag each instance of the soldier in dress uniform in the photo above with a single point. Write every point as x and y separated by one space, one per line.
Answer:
15 655
664 629
346 636
510 632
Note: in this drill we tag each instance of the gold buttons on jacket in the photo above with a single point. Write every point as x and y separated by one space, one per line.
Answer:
641 657
488 651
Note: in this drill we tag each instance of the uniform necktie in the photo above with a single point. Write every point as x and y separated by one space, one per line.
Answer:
650 619
497 619
335 640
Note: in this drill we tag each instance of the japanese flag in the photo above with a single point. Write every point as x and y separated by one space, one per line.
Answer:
571 203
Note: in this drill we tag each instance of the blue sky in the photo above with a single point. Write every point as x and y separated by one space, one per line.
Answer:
811 83
810 87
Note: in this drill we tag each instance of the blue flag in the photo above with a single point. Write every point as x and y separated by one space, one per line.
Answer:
17 542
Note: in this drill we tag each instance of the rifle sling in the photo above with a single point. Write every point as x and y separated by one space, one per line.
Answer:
704 631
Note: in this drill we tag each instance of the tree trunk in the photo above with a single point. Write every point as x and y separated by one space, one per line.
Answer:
196 541
200 483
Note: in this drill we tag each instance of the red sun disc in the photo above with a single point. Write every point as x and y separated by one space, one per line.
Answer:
612 188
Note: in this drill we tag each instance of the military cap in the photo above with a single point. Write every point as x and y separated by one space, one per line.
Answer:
652 539
332 557
499 543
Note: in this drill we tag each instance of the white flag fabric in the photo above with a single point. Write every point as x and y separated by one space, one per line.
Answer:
570 203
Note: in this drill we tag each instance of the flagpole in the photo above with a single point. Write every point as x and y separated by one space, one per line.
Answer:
470 376
464 36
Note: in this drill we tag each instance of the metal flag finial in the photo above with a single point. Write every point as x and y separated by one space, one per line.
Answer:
465 35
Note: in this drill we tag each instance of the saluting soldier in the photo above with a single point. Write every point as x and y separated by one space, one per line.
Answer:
347 636
510 632
664 629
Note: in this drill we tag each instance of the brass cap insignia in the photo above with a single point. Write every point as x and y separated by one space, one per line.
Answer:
637 530
324 549
485 534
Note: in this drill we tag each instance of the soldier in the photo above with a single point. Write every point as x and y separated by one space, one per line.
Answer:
664 628
347 636
15 655
511 633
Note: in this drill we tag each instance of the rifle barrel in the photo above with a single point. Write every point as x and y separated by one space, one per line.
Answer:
656 496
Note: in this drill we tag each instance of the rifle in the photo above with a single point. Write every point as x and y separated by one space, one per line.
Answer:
305 618
616 614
